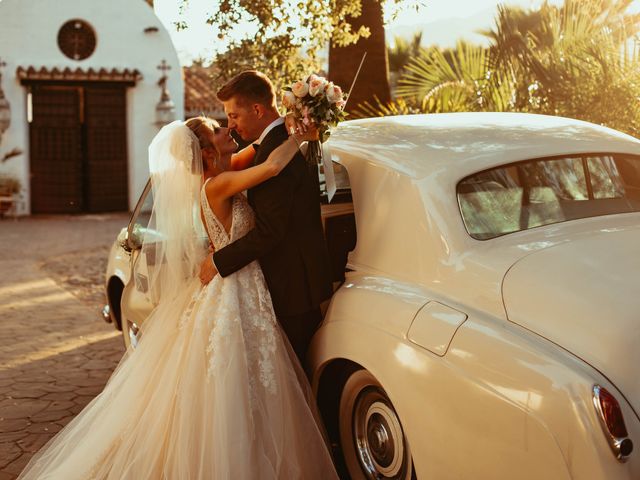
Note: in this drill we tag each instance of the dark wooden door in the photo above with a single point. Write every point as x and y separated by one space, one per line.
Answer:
78 139
106 149
56 150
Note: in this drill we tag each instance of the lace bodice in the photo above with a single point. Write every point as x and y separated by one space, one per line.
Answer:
242 220
252 309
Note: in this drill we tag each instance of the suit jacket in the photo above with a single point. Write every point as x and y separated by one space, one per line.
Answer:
287 239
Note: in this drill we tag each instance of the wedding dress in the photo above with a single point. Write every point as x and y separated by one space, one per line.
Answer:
212 391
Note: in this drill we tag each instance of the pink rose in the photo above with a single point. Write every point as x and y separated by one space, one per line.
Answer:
334 93
300 89
316 85
288 100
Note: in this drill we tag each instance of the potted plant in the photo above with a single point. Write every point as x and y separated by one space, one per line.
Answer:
9 188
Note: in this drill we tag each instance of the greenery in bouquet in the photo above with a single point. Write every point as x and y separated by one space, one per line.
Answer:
316 100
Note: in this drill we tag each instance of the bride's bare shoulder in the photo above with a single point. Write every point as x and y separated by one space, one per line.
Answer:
215 189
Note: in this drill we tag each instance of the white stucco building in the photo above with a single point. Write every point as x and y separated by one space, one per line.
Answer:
81 78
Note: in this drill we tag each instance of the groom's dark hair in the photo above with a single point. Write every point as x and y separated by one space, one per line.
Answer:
251 86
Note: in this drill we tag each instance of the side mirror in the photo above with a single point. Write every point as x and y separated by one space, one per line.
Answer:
123 240
130 240
135 236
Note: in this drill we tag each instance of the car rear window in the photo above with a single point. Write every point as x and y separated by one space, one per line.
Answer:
529 194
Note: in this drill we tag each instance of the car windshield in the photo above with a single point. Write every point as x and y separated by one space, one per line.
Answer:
530 194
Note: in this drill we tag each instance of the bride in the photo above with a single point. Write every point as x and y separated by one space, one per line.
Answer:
213 390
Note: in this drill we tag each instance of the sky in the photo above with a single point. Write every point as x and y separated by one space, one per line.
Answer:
442 20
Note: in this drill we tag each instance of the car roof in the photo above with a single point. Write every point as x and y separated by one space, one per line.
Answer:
403 173
463 143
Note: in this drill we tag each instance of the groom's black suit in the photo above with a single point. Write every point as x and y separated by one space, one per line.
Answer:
289 243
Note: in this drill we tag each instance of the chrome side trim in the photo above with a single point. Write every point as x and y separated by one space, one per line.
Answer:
621 447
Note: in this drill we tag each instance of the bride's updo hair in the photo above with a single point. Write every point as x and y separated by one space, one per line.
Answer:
199 126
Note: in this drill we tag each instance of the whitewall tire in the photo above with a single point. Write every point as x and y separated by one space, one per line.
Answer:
371 434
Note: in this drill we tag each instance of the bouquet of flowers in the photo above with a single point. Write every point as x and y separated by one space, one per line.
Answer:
315 100
319 101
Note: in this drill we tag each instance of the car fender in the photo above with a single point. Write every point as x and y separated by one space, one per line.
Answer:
505 369
118 264
498 402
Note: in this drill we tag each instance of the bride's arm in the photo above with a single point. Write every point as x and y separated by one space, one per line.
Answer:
242 159
229 183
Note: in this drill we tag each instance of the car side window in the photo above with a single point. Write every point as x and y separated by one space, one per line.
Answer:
605 177
540 192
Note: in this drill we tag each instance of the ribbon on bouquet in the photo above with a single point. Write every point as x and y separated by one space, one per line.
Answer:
329 175
318 153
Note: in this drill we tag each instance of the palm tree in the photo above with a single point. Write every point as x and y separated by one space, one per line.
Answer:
400 54
404 50
551 49
576 60
458 80
344 60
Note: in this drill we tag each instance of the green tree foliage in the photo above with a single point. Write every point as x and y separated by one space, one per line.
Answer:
284 29
579 60
289 35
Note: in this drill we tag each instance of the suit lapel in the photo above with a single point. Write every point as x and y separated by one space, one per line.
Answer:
275 137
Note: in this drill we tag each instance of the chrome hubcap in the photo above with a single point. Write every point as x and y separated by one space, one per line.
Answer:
379 438
106 313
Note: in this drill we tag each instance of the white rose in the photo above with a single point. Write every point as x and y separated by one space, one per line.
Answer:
300 88
316 85
334 93
288 100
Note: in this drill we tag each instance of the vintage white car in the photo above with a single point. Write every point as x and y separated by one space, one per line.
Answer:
488 324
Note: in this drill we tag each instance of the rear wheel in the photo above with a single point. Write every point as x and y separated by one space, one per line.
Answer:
371 434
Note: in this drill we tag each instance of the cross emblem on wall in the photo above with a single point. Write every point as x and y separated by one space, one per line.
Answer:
76 39
164 67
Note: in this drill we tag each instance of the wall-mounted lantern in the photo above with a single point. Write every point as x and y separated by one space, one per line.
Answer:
5 108
165 109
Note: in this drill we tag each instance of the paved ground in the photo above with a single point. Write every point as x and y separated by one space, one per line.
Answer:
56 352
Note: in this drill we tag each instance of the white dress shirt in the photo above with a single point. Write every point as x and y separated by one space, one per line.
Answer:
271 126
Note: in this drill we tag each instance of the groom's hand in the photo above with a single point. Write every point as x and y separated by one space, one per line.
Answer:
207 270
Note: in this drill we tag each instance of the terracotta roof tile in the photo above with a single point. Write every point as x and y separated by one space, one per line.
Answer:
200 92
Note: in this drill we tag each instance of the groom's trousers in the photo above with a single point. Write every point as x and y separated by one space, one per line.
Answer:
299 329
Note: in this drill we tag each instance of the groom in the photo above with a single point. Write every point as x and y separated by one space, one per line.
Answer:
287 239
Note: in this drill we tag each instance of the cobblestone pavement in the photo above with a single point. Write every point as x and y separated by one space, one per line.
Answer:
56 352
